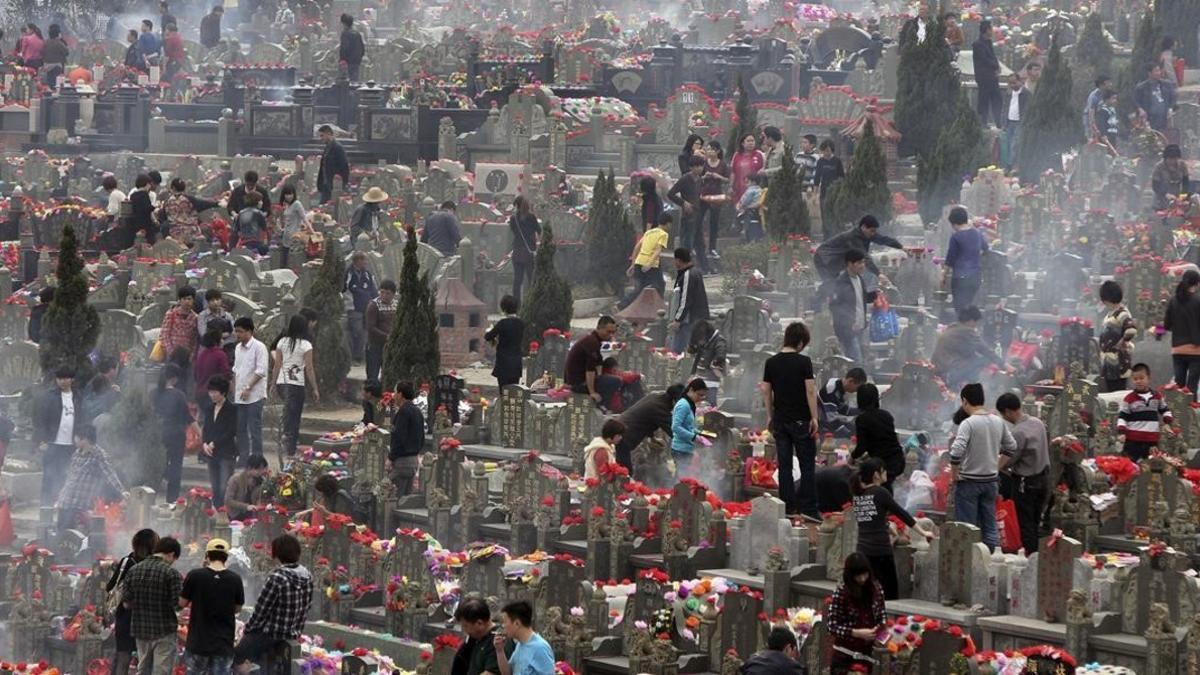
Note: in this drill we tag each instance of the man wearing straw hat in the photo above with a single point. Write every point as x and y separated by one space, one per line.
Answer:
366 217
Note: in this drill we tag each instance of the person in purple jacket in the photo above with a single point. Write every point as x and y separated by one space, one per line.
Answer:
964 259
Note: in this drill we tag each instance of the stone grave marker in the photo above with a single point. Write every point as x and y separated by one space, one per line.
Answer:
1055 571
445 390
513 415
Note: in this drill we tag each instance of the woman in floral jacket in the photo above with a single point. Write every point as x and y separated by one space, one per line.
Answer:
1116 338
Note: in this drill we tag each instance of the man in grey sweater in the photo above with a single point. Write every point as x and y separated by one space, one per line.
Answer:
975 464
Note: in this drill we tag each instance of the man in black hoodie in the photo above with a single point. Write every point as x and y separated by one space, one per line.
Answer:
691 299
779 658
651 413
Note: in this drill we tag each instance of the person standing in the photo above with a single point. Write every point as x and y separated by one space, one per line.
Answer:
647 257
57 415
685 194
790 398
351 48
151 592
1143 412
38 312
1155 98
827 170
441 229
1103 83
875 431
713 184
873 505
407 441
133 54
142 207
211 362
690 304
215 595
141 547
293 364
772 141
251 364
216 317
532 655
684 434
367 217
54 54
89 477
333 163
360 284
964 259
506 336
210 27
175 417
149 44
987 75
525 232
1117 332
582 370
173 52
710 350
849 296
29 47
165 17
806 158
855 616
220 437
974 464
282 606
379 318
250 184
1018 103
1183 321
179 324
1023 471
747 161
652 204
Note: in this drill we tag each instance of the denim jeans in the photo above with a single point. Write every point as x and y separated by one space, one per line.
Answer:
851 342
966 373
220 469
357 332
792 438
374 361
963 291
156 657
682 335
1010 144
522 272
249 431
1187 371
975 503
208 665
293 408
712 214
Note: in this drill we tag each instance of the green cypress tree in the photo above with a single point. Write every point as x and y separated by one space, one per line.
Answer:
787 213
143 460
939 178
411 353
747 120
548 302
864 190
609 235
1052 126
331 354
71 326
926 84
1091 57
1144 54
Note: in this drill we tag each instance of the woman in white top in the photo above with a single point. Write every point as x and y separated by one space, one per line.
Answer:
295 221
293 363
115 196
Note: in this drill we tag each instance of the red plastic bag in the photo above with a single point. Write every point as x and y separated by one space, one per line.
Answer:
1010 529
1022 352
7 535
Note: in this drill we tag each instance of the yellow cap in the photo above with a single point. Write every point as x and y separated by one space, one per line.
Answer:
217 545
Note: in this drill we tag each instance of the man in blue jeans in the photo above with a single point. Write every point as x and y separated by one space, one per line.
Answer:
250 367
975 464
790 396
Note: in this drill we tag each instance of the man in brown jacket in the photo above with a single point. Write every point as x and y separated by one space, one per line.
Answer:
380 315
244 490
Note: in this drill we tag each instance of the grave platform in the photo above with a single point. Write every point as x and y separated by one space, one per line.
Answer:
496 453
1124 649
1014 632
619 665
576 547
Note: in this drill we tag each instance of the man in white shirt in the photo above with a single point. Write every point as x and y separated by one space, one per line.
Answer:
1018 101
250 366
54 425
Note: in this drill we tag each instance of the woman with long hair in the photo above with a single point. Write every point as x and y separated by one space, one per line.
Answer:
875 429
855 615
873 503
293 363
692 147
713 185
142 547
174 418
29 47
684 434
747 161
652 204
1183 320
525 231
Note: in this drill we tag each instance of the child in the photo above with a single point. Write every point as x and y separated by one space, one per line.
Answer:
1141 411
250 224
684 434
602 449
1108 124
873 503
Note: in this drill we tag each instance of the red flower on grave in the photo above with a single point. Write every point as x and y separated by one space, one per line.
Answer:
426 656
597 512
956 631
359 652
447 641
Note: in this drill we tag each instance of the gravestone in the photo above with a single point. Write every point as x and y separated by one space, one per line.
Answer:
445 390
751 538
513 415
1055 570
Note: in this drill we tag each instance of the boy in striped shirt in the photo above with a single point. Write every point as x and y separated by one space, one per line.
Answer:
1142 411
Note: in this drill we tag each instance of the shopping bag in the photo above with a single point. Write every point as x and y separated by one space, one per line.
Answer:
884 323
158 353
1010 529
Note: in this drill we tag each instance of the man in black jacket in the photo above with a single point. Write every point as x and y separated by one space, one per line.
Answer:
333 163
237 198
56 416
651 413
779 658
408 439
210 27
987 75
351 49
849 297
830 257
691 299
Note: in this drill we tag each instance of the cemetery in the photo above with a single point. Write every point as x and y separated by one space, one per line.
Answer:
664 563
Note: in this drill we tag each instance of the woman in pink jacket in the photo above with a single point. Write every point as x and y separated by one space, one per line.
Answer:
29 48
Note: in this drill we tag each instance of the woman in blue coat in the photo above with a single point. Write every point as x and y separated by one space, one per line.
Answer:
684 434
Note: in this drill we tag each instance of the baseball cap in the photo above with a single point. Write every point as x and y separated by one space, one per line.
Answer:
217 545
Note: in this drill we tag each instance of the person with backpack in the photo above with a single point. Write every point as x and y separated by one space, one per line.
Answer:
250 225
351 48
142 547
